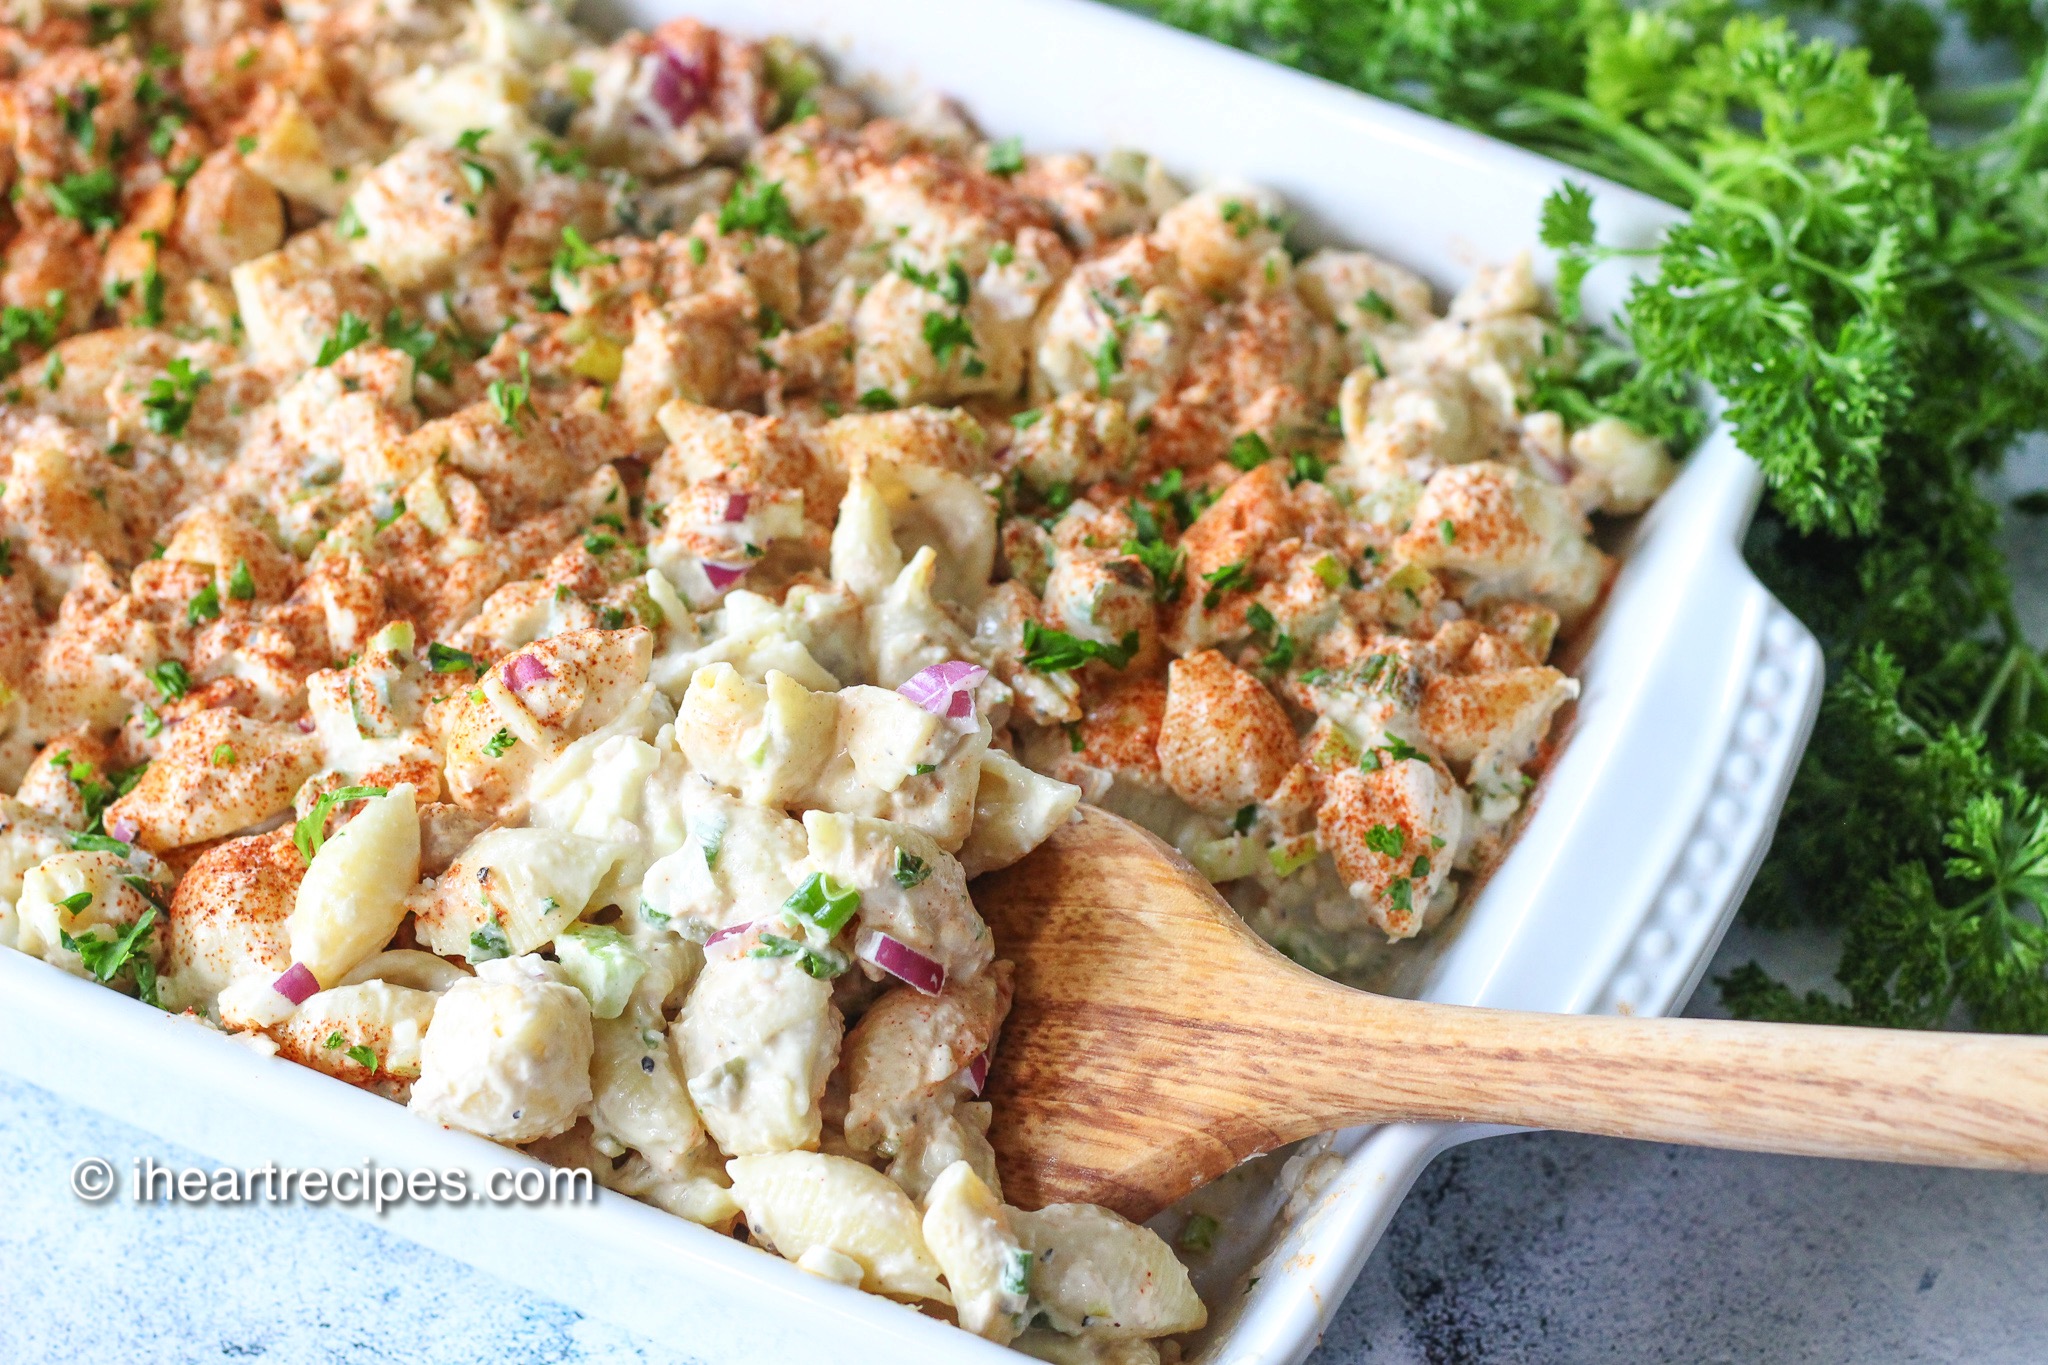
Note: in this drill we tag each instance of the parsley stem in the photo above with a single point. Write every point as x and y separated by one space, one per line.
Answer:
1982 714
1997 296
1966 102
1652 153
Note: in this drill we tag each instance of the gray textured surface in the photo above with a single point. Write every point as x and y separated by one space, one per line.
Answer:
1534 1248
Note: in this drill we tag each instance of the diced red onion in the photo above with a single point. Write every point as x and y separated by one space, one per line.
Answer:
678 87
124 829
296 984
977 1074
729 931
901 961
1549 468
946 689
524 671
736 506
723 576
306 726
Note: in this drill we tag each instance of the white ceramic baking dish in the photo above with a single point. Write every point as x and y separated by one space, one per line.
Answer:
1699 692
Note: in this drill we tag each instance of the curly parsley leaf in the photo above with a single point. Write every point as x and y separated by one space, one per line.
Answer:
1055 651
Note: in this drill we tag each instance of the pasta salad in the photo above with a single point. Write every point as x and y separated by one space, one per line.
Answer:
537 569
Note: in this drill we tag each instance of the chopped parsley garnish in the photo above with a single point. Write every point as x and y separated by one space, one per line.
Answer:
946 333
167 407
91 198
508 398
1395 750
1166 563
575 253
1108 359
362 1056
203 605
1248 451
108 22
909 870
93 795
349 333
488 942
416 340
1375 303
171 679
1242 821
311 831
124 779
1386 839
151 313
241 583
77 116
88 842
878 400
1226 579
1055 651
31 326
497 745
105 958
1306 467
1187 504
76 901
1198 1234
475 174
822 963
1446 532
165 132
560 159
757 205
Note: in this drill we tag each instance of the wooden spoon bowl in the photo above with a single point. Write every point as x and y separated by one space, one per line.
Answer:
1155 1042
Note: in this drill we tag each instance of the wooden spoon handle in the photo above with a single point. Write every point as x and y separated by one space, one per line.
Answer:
1876 1094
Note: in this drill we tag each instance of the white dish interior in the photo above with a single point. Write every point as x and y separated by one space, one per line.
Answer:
1698 693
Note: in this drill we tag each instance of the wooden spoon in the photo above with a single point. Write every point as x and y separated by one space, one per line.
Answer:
1156 1042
